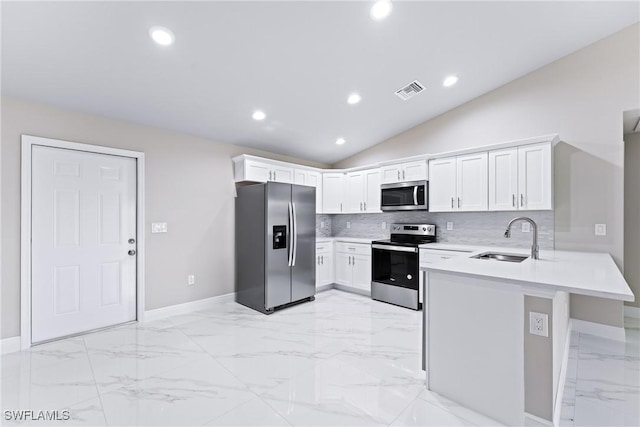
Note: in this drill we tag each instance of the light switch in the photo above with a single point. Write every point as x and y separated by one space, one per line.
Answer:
601 229
526 227
158 227
348 224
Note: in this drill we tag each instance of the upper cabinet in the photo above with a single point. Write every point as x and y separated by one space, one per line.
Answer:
362 191
402 172
521 178
312 179
261 170
458 183
332 192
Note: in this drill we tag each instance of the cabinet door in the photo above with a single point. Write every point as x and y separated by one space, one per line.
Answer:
319 271
534 177
325 268
343 269
503 180
472 182
390 174
442 184
258 172
372 190
282 174
300 177
354 200
361 265
332 192
414 171
314 179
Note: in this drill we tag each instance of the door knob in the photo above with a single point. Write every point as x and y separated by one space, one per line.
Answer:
131 252
132 241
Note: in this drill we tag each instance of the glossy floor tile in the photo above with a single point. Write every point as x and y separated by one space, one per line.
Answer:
341 360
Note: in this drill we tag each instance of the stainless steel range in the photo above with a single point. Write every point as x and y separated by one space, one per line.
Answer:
395 270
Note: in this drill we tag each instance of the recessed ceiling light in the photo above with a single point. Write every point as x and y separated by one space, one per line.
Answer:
380 10
354 98
450 81
162 35
340 141
259 115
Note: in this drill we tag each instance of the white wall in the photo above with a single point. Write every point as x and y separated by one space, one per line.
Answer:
581 97
189 185
632 214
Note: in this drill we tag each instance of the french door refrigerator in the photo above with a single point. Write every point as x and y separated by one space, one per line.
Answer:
275 245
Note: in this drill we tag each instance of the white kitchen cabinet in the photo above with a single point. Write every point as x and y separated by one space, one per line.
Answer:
362 191
535 183
248 168
312 179
521 178
402 172
458 184
332 192
353 265
442 184
324 264
471 182
503 180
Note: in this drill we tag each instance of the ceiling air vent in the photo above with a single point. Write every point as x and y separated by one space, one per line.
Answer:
410 90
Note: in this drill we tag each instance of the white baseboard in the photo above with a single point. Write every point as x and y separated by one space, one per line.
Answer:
352 290
323 288
187 307
9 345
632 312
562 381
605 331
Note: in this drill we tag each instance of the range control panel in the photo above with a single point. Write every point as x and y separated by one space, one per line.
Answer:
415 229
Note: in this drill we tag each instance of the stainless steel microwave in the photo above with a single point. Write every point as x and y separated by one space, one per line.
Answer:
405 196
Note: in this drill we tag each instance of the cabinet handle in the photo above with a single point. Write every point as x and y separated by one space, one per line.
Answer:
270 173
322 257
360 205
318 263
349 259
274 175
452 203
458 202
354 261
340 206
403 177
513 200
365 206
521 199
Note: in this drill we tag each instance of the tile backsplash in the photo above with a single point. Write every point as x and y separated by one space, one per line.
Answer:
472 228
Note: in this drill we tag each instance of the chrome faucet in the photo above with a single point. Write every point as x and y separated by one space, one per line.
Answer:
535 250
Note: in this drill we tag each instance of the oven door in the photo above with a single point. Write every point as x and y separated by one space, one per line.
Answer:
404 196
395 266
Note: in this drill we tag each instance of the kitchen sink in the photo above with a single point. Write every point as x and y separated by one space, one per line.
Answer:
495 256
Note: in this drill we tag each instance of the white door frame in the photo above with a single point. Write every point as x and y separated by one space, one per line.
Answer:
28 142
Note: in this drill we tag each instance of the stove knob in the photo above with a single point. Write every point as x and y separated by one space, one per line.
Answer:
424 228
429 229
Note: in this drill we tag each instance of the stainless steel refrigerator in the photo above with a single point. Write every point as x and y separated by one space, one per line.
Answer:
275 245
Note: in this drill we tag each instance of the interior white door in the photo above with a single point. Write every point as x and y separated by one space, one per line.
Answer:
83 241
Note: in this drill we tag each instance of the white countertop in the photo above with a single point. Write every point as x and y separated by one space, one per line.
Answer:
366 240
585 273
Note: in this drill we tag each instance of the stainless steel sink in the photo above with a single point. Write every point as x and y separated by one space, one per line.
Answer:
495 256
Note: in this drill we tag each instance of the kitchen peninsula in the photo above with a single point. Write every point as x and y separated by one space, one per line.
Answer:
496 333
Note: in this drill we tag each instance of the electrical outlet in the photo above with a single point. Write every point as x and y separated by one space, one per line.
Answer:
191 280
538 324
158 227
384 225
526 227
601 229
321 224
449 226
348 224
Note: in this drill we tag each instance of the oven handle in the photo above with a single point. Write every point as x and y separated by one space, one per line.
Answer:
395 248
415 195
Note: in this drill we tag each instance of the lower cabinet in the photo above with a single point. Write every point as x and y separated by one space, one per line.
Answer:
324 264
353 265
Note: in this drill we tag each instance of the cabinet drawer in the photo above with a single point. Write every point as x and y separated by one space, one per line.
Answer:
431 256
353 248
324 248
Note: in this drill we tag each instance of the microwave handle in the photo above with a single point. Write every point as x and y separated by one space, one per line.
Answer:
415 195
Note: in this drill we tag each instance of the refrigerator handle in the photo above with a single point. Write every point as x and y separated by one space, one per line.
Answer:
295 235
290 235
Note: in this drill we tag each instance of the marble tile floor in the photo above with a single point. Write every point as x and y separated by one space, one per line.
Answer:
338 361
